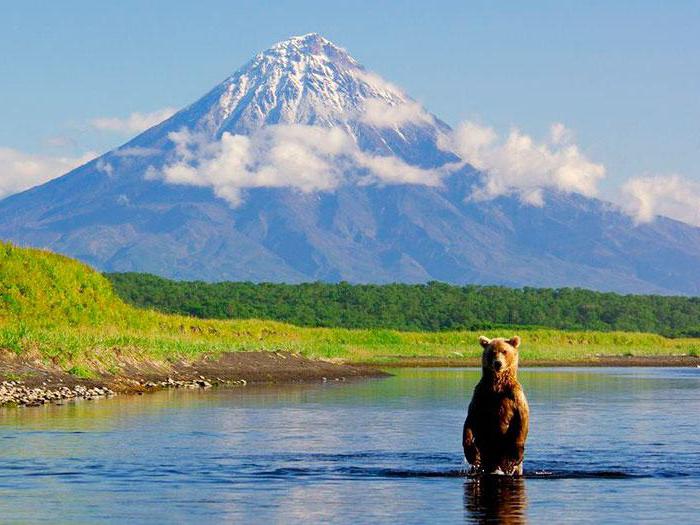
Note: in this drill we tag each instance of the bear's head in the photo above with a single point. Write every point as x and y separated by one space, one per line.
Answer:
500 355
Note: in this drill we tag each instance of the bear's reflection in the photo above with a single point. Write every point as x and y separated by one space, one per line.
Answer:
495 499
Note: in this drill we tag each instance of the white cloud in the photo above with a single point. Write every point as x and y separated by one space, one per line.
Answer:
377 84
387 106
380 113
560 134
671 195
392 170
308 158
105 167
20 171
134 123
519 165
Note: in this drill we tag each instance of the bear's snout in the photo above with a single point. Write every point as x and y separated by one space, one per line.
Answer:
497 365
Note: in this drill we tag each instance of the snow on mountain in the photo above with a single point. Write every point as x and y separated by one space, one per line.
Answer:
306 80
303 80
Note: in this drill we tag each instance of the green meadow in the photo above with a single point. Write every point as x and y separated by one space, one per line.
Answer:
61 311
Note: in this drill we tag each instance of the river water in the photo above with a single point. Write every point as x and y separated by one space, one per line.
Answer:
606 446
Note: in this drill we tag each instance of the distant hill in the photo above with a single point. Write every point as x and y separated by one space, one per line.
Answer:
189 199
431 307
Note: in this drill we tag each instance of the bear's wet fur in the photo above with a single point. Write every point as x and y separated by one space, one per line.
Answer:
498 418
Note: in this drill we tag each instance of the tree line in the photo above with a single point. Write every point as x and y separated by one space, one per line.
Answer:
433 306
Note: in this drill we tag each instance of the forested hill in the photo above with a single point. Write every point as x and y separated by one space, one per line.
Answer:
429 307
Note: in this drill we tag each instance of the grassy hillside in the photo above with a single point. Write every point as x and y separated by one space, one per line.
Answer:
48 288
61 311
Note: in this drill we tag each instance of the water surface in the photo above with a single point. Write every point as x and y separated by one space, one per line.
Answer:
606 445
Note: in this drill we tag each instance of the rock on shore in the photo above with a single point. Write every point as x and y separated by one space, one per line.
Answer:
17 393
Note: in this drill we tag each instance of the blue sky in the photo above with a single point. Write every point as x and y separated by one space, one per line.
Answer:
623 76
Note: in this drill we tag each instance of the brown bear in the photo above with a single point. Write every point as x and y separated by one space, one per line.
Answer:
497 421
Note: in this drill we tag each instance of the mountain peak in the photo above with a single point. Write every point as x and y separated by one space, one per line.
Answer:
303 49
305 79
311 43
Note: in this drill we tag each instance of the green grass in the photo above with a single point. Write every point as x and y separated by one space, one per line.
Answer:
65 313
81 372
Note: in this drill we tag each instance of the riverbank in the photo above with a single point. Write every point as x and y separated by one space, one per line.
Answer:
30 382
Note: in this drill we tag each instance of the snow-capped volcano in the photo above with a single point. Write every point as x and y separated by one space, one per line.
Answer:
303 165
302 115
309 81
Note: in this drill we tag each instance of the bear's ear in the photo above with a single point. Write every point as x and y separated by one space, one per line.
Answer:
484 341
514 342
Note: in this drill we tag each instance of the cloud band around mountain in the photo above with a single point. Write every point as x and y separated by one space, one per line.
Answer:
520 165
307 158
314 158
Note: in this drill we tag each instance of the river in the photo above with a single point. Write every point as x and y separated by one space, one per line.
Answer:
610 445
